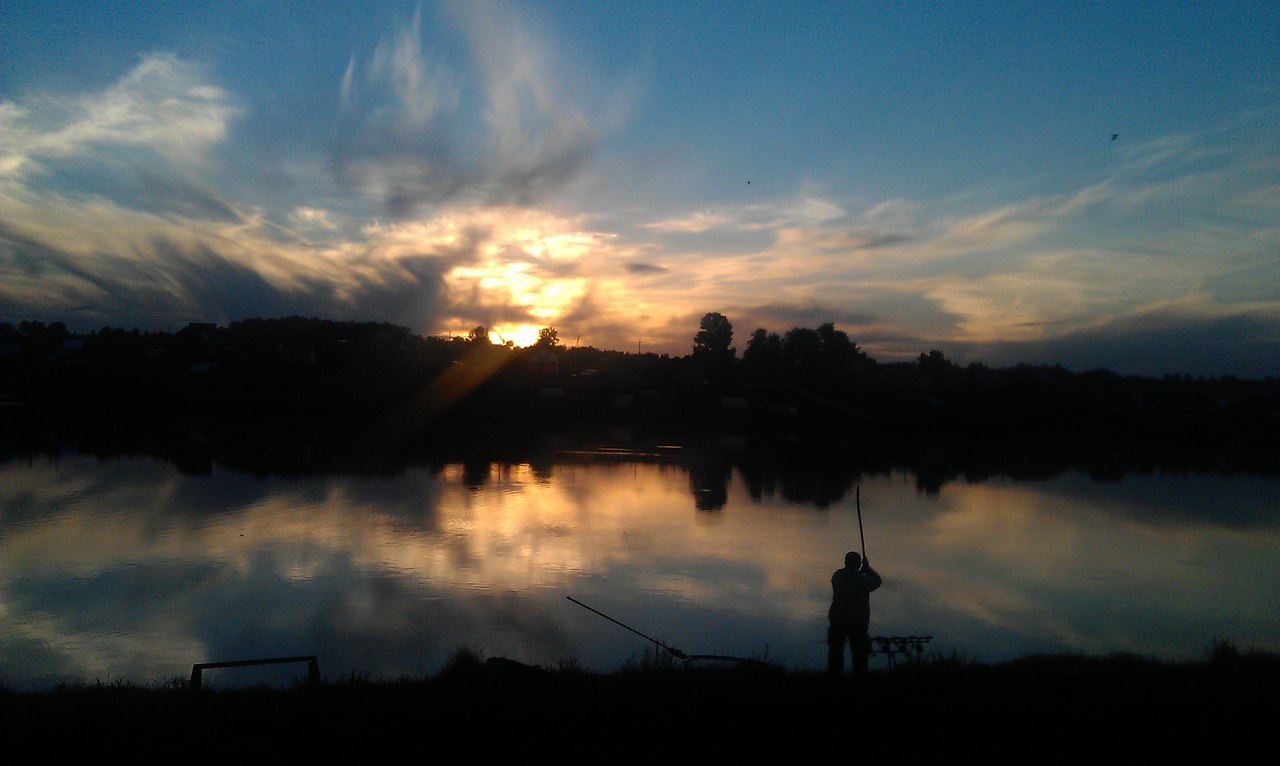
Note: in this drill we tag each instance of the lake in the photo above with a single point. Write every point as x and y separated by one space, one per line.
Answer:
128 569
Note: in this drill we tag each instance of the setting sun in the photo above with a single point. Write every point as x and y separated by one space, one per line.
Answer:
528 272
517 334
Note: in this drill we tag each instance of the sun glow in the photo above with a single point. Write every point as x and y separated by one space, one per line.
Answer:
529 271
517 334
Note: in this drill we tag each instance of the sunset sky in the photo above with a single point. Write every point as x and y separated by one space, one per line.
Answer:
1090 184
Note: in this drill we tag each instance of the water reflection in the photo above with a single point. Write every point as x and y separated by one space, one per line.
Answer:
129 569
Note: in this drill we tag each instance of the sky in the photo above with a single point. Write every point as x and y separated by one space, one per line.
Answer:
1095 185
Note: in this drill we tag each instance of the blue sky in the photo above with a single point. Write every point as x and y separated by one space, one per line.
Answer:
922 175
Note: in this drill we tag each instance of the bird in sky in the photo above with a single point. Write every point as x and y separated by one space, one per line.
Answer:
1114 136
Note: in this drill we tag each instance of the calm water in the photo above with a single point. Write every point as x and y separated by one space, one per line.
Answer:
130 570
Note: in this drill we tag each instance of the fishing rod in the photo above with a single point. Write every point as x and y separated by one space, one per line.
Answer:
857 498
674 652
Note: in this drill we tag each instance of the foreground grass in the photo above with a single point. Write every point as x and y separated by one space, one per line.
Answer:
1042 709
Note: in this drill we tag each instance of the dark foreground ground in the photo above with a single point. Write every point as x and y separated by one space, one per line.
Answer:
1037 710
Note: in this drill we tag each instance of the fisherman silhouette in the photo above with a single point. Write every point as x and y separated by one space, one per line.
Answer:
850 614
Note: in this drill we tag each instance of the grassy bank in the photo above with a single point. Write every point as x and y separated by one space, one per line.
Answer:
1039 709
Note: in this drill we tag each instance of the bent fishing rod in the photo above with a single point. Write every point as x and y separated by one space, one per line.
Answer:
857 499
673 651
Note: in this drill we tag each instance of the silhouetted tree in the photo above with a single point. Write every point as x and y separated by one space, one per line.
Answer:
715 333
479 335
835 342
935 369
802 349
934 358
763 355
841 357
712 355
548 337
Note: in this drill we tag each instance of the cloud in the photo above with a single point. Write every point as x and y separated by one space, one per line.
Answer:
1179 338
181 281
817 240
103 223
128 205
872 240
991 229
694 223
161 105
811 211
1264 198
645 268
310 216
1148 154
803 211
1043 276
144 143
409 136
781 318
98 232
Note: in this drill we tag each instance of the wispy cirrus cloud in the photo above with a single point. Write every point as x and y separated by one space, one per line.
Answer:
417 132
142 144
694 223
804 210
162 105
305 215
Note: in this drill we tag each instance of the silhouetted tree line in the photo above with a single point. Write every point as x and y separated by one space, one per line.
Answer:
269 387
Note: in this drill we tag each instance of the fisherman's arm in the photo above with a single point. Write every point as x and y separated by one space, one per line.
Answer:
870 576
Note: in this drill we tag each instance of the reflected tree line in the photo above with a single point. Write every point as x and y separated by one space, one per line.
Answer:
799 413
820 482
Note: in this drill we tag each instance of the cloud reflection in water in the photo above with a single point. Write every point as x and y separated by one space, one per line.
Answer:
128 569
